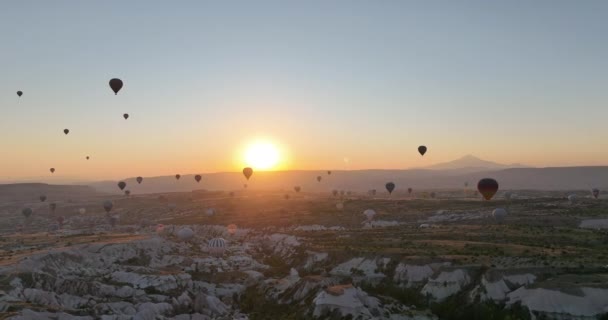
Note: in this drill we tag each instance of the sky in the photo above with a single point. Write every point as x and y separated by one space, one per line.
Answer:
325 81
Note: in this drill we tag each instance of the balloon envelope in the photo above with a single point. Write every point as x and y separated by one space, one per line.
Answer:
572 198
198 178
319 178
66 131
139 180
185 234
297 188
107 205
329 172
390 187
126 116
422 150
369 214
82 210
116 85
409 190
122 185
217 246
177 176
19 93
487 187
499 214
231 228
26 212
52 206
596 193
42 198
247 172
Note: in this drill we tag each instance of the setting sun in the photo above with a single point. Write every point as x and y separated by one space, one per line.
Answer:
262 155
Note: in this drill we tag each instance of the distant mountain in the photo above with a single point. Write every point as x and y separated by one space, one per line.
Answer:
472 163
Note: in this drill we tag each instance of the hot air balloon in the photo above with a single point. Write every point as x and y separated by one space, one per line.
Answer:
116 85
172 206
82 210
286 196
231 228
52 170
217 246
499 214
26 212
198 178
319 178
126 116
160 228
127 193
369 214
335 193
422 150
66 131
595 192
231 194
390 187
245 185
340 206
328 172
52 206
297 188
88 157
487 187
19 93
342 193
433 195
247 172
210 212
466 184
177 176
42 198
409 190
114 220
572 198
185 234
122 185
107 205
139 180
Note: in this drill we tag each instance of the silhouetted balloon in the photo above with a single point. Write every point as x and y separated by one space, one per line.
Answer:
297 188
409 190
87 157
126 116
19 93
286 197
231 194
319 178
66 131
198 178
499 214
245 185
116 85
52 170
42 198
107 205
122 185
26 212
487 187
390 187
433 195
466 184
422 150
572 198
113 220
139 179
52 206
595 192
247 172
328 172
334 192
342 192
217 246
127 192
185 234
177 176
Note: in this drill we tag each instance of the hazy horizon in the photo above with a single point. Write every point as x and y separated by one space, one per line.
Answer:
333 86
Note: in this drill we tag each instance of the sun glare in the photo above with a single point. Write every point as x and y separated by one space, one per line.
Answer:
262 155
